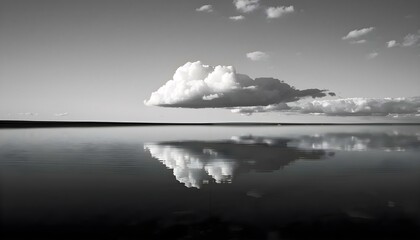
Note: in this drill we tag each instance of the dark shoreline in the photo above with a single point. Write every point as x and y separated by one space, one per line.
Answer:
62 124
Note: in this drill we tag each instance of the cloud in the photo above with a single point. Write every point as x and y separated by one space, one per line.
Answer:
358 33
391 44
257 56
195 85
372 55
237 18
205 8
61 114
411 39
261 109
246 6
363 106
408 41
28 114
344 107
358 41
276 12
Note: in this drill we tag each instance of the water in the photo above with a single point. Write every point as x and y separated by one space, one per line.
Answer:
195 182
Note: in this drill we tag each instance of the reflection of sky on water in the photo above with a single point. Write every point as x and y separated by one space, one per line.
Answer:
361 141
198 162
191 169
102 180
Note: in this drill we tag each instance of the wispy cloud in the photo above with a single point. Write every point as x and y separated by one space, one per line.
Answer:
61 114
276 12
344 107
358 33
411 39
257 56
237 18
372 55
246 6
28 114
363 106
358 41
280 107
205 8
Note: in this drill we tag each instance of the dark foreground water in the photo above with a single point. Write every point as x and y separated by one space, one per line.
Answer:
334 182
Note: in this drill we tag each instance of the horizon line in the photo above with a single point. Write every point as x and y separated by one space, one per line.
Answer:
52 124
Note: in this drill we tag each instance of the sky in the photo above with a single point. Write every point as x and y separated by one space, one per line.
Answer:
103 60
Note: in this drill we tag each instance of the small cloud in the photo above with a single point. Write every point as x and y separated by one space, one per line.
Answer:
61 114
276 12
358 41
411 39
372 55
280 107
391 44
258 56
205 8
28 114
358 33
211 97
237 18
246 6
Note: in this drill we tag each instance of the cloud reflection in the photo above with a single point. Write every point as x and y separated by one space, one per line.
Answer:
394 141
198 162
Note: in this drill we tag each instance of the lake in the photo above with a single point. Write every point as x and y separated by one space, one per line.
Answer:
211 182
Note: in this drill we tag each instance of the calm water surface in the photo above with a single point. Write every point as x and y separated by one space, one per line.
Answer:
333 182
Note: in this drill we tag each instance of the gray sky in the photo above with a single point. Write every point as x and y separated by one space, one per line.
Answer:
98 60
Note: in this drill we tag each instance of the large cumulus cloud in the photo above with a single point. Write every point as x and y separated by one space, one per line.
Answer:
195 85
